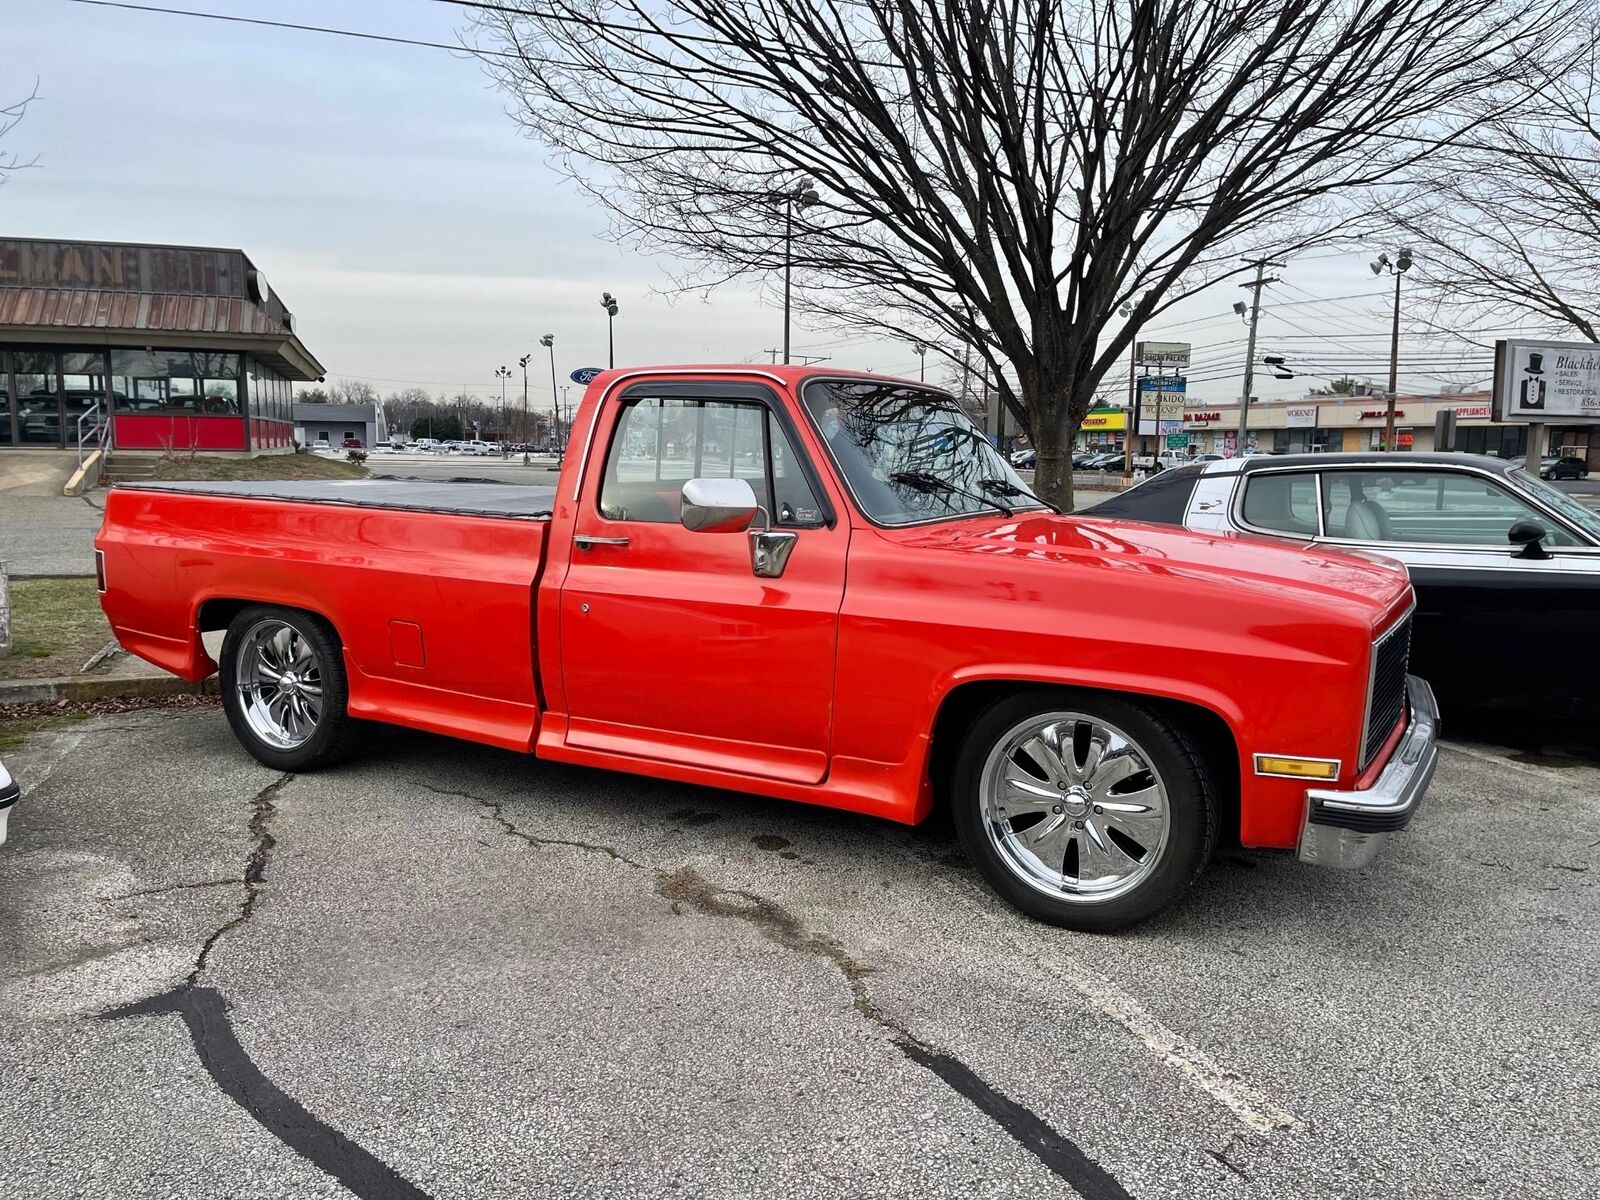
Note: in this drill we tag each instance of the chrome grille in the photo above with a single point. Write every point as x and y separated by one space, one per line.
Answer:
1386 695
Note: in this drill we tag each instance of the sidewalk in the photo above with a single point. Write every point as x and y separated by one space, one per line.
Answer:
49 535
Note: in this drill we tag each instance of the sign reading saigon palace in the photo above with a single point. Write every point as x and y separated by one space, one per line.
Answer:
1546 381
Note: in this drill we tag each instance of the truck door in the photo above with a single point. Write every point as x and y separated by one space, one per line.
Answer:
671 647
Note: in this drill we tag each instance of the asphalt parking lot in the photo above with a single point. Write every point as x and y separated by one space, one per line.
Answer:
446 971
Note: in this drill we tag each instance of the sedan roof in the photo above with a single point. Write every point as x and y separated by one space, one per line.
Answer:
1367 458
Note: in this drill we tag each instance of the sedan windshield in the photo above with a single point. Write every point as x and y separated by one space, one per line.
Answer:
1580 515
912 455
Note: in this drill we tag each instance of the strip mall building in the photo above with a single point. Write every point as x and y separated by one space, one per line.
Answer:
1334 423
181 347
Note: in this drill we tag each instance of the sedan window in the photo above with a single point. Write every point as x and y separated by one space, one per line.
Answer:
1451 508
1283 502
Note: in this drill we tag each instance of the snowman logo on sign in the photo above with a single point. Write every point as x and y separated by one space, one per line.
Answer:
1533 385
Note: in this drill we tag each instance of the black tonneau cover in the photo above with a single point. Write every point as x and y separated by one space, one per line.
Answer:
514 500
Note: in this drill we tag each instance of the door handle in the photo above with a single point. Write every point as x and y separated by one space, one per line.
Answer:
585 541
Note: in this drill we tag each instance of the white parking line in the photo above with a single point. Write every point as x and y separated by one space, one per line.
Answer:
1254 1110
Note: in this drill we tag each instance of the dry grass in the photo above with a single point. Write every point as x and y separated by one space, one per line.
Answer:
56 627
262 466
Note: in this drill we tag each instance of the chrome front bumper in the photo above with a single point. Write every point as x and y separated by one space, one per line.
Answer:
1347 829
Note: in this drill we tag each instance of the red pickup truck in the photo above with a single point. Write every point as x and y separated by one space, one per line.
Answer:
819 586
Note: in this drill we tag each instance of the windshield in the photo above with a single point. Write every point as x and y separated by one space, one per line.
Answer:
912 455
1585 519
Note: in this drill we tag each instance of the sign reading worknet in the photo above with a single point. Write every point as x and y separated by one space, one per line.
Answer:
1546 381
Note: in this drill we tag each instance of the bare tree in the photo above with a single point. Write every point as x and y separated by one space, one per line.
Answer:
353 391
10 117
1003 173
1506 224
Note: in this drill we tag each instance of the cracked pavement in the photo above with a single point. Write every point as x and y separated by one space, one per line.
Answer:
499 977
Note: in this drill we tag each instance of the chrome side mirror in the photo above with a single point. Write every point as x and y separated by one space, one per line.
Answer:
729 506
718 505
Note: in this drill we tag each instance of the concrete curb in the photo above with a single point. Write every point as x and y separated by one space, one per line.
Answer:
100 687
86 476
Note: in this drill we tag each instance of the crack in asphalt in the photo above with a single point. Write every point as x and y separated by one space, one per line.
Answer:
205 1013
255 869
169 887
777 924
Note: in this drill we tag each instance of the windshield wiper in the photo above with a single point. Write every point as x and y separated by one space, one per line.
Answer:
1006 488
924 482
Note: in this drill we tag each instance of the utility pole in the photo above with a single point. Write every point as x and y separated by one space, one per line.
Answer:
802 195
1261 281
773 351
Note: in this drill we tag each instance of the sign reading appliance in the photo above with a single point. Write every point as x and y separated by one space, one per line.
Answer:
1541 381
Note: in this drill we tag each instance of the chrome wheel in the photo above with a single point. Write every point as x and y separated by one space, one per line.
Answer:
1074 807
278 676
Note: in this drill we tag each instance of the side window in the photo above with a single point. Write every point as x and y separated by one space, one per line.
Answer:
661 443
1282 502
1433 507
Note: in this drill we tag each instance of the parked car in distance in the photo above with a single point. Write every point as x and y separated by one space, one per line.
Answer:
874 614
1496 556
10 793
424 446
352 443
1565 467
1025 459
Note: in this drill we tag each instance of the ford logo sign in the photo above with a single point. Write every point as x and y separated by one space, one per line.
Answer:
585 374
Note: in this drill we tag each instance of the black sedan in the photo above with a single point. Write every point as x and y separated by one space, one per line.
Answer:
1506 567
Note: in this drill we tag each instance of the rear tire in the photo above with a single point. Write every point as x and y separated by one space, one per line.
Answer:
1082 809
285 690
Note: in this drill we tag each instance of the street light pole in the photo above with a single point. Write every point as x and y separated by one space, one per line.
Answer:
502 373
1398 267
921 352
802 195
527 431
548 341
609 303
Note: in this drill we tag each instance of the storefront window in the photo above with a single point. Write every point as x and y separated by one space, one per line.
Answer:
38 410
202 383
83 385
5 402
1502 441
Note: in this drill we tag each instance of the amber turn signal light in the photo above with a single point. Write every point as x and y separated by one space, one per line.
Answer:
1297 768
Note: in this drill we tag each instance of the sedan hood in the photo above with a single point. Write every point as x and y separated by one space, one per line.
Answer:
1362 585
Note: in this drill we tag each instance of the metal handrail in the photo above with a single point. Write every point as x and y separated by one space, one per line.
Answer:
100 432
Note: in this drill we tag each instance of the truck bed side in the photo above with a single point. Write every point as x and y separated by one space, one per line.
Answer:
433 605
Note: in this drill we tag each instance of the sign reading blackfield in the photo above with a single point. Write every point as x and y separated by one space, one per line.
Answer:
1159 354
1546 381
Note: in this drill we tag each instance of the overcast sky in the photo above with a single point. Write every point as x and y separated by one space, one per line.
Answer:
419 239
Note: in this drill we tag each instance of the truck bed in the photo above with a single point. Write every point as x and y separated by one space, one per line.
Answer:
514 500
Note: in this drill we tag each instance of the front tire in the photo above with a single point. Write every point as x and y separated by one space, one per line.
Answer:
285 690
1083 810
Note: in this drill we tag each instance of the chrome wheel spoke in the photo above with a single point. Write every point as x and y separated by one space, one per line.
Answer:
1144 824
1114 769
1047 840
1046 758
1099 856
